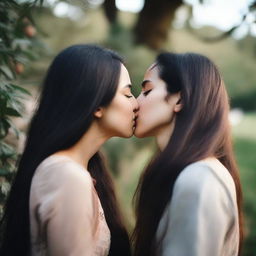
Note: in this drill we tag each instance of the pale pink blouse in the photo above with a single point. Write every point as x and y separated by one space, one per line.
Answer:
66 216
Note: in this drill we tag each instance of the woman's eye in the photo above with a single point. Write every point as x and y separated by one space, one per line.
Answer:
129 96
147 92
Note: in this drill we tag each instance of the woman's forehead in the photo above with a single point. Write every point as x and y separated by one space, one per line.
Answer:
152 72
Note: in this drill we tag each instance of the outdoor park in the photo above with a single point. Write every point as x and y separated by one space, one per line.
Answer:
33 32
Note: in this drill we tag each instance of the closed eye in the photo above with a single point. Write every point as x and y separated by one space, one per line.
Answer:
147 92
129 96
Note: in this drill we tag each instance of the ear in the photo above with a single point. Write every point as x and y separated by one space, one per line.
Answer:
99 112
178 106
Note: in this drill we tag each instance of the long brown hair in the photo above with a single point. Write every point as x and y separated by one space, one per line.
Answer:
80 79
201 130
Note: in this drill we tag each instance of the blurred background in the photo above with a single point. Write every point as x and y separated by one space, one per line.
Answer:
33 32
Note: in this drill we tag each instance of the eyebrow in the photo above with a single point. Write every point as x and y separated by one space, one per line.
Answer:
143 84
153 66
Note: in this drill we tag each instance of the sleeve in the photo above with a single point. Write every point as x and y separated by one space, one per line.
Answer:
198 216
68 212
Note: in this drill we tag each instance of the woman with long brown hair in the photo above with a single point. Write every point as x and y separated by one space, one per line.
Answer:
62 201
188 201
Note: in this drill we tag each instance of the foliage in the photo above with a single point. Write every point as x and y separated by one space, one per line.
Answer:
245 148
18 45
245 101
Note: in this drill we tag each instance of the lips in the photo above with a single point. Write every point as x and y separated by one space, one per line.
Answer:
134 120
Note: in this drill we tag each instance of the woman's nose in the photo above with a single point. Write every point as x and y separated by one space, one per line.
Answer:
138 98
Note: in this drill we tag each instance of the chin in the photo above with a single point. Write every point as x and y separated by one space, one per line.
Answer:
140 134
126 134
130 134
140 131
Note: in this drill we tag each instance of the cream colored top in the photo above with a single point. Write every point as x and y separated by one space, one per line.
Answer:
202 217
66 217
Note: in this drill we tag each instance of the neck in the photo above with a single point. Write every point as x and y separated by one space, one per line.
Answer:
164 134
87 146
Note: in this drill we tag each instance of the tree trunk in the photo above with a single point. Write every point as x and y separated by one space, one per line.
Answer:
110 10
154 22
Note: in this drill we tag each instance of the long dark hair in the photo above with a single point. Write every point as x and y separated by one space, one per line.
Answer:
201 130
80 79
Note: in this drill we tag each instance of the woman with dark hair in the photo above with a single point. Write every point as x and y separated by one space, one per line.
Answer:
62 200
188 201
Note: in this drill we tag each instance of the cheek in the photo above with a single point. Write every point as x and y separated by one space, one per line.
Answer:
118 119
153 106
154 112
121 117
122 110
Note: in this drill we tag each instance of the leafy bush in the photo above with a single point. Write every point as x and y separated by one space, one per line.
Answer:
18 45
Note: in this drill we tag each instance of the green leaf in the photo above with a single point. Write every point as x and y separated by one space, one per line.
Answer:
12 112
29 56
20 89
3 172
5 187
15 104
3 103
6 151
4 127
16 131
6 71
5 27
21 43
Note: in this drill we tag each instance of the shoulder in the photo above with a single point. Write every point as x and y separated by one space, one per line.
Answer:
57 172
194 178
205 181
60 183
201 174
194 175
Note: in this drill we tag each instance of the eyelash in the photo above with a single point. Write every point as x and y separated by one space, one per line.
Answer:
147 92
128 96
